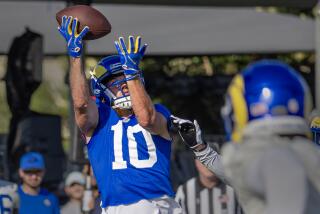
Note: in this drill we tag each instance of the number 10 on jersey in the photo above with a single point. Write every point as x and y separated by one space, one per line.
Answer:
119 162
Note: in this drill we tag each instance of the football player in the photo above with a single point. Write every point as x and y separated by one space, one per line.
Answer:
127 135
271 163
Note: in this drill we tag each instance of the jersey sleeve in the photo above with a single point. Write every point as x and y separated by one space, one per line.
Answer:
165 112
103 110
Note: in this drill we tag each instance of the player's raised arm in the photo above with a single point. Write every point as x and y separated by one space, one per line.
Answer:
143 108
190 134
86 112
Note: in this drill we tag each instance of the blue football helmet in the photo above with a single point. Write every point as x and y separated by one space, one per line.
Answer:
264 89
106 69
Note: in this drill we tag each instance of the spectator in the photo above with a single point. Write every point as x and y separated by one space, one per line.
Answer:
74 188
96 200
33 198
206 194
9 199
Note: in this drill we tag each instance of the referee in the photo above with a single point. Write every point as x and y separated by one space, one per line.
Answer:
206 194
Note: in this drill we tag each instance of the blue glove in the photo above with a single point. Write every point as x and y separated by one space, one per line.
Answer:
73 38
130 58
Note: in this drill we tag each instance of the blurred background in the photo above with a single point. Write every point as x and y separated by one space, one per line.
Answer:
195 48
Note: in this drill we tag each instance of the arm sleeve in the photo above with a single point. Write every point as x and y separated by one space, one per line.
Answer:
212 160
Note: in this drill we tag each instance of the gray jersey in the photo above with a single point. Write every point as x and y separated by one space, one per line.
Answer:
271 174
9 199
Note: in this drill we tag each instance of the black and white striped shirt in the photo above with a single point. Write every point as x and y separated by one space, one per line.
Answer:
194 198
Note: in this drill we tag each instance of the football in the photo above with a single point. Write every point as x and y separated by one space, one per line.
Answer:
98 24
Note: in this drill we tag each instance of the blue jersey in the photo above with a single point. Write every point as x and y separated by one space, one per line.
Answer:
44 202
129 163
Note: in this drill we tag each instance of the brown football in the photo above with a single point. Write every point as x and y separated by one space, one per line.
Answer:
98 24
